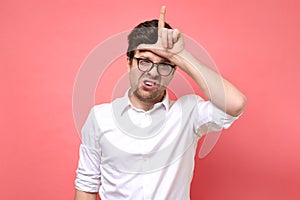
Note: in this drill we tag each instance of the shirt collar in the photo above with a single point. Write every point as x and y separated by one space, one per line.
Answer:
123 103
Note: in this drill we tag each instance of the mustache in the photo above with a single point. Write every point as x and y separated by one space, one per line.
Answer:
151 77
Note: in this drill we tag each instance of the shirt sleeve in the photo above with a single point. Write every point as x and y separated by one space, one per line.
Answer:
88 174
210 118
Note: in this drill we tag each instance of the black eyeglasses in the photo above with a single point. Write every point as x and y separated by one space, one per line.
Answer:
146 65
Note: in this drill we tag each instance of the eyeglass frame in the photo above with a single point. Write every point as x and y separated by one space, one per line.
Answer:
153 64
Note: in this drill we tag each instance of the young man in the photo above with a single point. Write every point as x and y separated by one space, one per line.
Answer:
142 146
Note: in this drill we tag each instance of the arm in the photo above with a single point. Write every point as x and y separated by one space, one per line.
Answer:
80 195
218 90
88 174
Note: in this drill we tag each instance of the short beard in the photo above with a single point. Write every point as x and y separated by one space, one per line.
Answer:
153 97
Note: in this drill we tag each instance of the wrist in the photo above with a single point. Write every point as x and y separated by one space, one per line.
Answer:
181 59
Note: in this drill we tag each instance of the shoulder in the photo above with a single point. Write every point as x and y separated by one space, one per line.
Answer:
190 99
95 114
101 108
106 109
188 103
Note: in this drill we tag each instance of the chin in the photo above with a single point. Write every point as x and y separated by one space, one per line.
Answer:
147 96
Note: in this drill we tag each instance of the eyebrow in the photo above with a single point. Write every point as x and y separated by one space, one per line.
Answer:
163 61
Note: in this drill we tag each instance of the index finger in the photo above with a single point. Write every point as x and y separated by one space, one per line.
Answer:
161 21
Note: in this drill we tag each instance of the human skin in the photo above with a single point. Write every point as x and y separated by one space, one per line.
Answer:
222 93
81 195
141 95
170 47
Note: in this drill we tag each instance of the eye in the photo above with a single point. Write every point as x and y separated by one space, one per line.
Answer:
164 66
145 62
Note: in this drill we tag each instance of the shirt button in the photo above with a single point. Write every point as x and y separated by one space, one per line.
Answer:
145 158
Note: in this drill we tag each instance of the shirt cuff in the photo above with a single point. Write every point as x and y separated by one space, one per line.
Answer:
88 175
220 118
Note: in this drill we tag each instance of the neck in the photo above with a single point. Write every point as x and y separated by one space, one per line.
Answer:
144 104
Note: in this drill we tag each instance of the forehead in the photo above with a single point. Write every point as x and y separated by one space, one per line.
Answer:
150 55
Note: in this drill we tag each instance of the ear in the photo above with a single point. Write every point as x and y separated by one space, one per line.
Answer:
128 64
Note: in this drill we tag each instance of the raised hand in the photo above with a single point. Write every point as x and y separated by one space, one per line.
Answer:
170 41
161 21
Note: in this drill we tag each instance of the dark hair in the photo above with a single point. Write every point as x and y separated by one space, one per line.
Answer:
144 33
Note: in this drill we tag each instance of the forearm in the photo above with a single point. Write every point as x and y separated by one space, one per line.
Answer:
218 90
80 195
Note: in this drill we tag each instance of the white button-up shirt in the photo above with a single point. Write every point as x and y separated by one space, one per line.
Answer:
127 153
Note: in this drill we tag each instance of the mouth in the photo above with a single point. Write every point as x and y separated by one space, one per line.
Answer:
149 84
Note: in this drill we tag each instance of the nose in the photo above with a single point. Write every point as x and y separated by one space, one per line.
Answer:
153 70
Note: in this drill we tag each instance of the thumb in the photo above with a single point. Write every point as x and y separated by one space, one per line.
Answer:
150 47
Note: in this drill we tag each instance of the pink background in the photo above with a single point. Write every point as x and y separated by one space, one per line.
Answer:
255 44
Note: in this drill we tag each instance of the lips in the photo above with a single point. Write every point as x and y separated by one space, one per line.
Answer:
149 84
